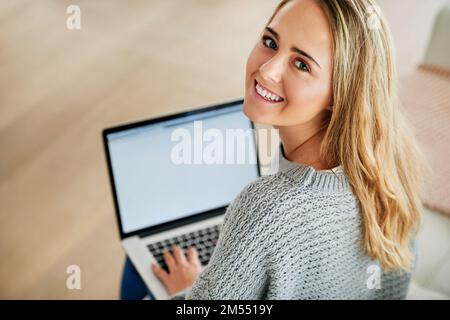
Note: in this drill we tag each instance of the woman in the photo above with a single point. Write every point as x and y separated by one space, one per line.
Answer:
339 218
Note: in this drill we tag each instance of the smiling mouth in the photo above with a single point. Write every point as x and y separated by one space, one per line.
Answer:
266 95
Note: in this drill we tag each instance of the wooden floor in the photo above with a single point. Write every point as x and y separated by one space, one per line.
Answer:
59 88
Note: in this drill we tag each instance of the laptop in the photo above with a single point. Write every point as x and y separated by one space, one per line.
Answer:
172 179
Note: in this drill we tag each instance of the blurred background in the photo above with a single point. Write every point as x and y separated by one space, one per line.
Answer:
133 60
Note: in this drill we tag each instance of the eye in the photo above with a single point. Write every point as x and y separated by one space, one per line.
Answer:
301 65
268 42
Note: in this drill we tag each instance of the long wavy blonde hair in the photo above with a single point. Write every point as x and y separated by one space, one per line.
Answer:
368 134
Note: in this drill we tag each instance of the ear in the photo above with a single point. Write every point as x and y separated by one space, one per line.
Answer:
330 108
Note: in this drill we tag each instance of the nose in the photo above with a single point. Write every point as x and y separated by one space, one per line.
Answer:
272 70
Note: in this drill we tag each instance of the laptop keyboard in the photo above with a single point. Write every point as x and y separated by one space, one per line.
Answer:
203 240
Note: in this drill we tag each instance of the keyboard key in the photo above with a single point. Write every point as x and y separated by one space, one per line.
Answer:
203 240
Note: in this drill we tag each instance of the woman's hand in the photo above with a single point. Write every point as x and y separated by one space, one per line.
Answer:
182 272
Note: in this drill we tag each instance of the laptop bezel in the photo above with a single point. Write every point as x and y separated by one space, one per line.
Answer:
182 221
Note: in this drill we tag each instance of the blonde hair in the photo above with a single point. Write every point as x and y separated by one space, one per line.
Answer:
367 133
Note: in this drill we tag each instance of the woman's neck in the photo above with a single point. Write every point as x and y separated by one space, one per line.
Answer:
301 144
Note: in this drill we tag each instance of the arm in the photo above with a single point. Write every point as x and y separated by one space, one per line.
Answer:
238 268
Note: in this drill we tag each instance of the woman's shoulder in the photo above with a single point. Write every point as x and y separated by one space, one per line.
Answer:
278 194
259 197
267 188
298 184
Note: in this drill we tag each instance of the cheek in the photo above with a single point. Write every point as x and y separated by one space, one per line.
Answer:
255 60
305 93
307 98
251 60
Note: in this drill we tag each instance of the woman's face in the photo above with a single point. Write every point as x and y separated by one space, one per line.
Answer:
300 79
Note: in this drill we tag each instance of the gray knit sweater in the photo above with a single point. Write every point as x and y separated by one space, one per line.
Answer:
295 234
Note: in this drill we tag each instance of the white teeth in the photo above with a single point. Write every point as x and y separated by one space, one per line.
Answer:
266 95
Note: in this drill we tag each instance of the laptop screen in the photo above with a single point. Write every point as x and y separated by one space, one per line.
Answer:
181 166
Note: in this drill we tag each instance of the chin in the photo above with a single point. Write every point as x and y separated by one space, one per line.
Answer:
248 113
255 116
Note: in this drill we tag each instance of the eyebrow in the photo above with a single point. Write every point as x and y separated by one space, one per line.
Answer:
295 49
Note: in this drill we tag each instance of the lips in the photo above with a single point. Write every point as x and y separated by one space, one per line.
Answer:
269 91
255 83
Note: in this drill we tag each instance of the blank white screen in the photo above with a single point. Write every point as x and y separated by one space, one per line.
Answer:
152 189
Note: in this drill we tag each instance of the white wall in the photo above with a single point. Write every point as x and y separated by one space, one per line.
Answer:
411 23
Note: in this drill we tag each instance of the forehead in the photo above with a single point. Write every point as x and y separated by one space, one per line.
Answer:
303 24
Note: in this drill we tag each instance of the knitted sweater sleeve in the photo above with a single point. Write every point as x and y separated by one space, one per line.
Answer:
238 267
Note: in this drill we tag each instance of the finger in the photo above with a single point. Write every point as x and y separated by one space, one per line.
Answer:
193 257
180 258
160 273
170 261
